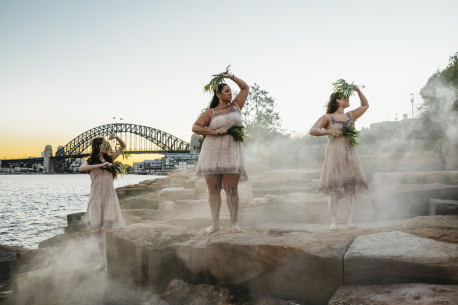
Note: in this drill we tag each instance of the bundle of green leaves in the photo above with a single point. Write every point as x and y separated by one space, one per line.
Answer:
120 168
237 132
349 131
217 79
343 88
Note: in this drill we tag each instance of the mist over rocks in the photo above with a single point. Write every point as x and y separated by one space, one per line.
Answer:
285 254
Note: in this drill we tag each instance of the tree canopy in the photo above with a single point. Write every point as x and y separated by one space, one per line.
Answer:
260 116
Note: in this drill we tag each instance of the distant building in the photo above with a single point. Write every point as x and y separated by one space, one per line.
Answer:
166 164
48 165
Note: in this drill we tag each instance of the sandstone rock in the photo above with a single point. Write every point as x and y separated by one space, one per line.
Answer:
405 294
180 177
8 258
402 162
286 175
443 177
190 183
71 284
192 206
172 194
443 207
180 292
304 207
143 201
201 186
289 261
398 257
131 216
287 187
136 190
77 222
296 265
286 181
408 201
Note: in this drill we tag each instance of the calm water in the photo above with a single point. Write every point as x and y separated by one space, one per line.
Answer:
35 207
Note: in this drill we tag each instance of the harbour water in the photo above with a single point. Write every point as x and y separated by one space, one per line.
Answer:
34 207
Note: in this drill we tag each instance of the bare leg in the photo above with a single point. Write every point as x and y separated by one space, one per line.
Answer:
214 184
351 207
332 208
230 184
100 237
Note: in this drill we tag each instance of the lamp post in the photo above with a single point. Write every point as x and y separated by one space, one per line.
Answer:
411 101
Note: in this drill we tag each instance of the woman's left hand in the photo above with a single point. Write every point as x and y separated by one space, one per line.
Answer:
355 87
227 75
112 136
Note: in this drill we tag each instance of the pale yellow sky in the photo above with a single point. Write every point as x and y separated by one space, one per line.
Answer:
69 66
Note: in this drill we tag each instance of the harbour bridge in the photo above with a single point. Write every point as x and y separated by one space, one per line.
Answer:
139 139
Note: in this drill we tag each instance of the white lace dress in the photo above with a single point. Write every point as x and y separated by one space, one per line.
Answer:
103 211
341 173
221 155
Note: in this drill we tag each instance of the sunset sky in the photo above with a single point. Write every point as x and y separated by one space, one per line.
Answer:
68 66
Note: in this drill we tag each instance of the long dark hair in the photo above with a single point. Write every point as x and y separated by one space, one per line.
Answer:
332 104
215 100
95 159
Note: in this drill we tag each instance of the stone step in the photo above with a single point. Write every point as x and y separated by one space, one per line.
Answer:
399 257
443 207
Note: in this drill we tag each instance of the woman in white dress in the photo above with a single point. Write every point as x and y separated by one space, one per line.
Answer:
341 173
103 211
221 158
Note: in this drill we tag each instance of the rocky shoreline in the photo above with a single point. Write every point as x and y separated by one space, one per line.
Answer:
404 249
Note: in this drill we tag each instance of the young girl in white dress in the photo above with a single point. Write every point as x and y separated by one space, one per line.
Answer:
103 211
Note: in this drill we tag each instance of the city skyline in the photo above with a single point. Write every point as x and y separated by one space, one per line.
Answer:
68 67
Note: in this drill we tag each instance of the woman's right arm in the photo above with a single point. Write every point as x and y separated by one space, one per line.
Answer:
86 167
200 126
320 128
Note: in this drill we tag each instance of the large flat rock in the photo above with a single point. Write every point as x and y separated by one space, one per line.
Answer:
289 261
405 294
399 257
296 265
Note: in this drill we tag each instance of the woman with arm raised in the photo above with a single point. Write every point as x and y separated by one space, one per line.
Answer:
221 158
341 174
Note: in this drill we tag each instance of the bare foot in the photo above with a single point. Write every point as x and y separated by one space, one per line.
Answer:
351 225
333 226
211 229
236 228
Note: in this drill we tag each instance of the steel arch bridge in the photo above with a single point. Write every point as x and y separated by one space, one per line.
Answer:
160 142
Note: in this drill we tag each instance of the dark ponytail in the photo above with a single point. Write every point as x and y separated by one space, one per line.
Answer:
332 104
215 100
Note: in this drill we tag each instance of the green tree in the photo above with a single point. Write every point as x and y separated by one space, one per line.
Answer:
259 115
440 103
